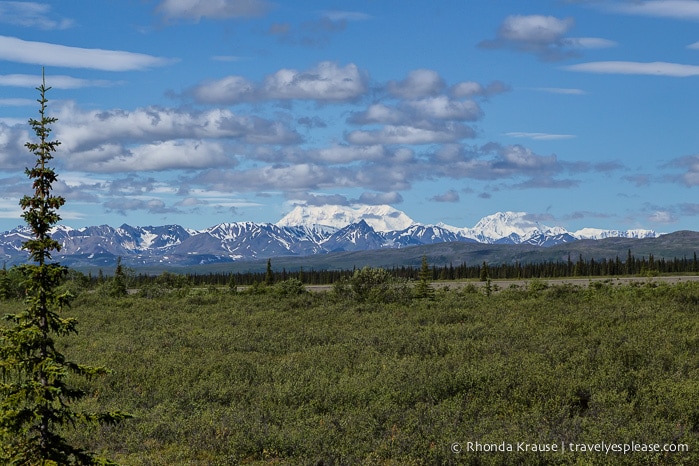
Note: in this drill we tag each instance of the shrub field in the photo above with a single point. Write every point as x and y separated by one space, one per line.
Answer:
277 375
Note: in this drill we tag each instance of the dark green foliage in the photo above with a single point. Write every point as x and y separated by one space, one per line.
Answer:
290 287
488 288
484 275
118 282
269 275
12 283
376 286
35 397
5 284
422 287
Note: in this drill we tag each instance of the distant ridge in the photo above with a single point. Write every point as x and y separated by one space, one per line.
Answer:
304 232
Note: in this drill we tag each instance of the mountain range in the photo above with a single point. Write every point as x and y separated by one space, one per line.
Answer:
305 231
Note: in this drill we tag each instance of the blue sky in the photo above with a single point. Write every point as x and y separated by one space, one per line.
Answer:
197 112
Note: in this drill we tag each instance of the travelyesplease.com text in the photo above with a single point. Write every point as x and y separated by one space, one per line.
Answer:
563 447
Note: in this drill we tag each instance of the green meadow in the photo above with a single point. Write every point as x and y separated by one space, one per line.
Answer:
277 375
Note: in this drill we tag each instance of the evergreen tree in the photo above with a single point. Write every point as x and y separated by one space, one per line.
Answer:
35 399
484 272
269 275
118 286
423 288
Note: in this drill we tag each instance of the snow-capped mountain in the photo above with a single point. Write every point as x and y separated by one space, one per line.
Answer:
510 228
304 231
358 236
379 217
596 233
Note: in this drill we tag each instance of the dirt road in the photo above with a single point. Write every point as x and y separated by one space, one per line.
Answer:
504 284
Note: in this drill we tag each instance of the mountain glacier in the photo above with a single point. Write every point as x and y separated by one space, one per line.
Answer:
306 230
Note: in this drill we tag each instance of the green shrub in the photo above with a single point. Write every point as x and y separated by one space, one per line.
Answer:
290 287
375 285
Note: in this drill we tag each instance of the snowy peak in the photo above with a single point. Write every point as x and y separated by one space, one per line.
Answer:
507 228
333 217
358 236
521 227
597 233
513 226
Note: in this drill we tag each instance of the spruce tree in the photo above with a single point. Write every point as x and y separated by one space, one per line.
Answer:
423 288
35 398
269 275
484 272
118 285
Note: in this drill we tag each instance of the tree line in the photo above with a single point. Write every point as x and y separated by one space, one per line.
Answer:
580 267
116 281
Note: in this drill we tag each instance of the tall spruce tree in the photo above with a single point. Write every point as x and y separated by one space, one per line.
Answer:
35 399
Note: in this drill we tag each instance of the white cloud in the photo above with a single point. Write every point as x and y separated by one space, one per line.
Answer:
662 216
13 154
467 89
347 154
303 176
539 136
419 83
474 89
379 113
589 43
694 46
213 9
560 90
325 82
627 67
544 36
42 53
31 15
368 198
443 108
81 130
228 90
54 81
534 29
157 156
518 157
691 164
390 134
16 102
449 196
676 9
419 112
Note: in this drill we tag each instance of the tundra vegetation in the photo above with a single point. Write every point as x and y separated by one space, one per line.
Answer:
378 371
